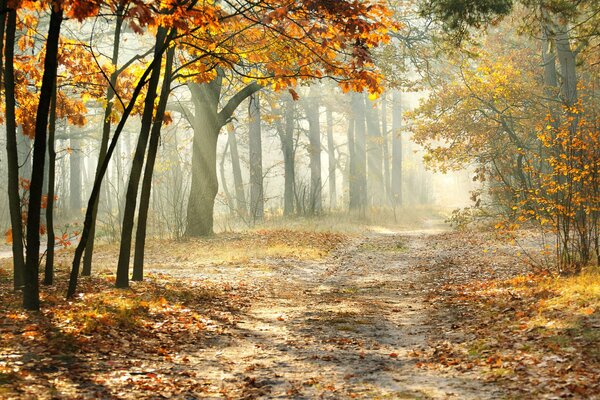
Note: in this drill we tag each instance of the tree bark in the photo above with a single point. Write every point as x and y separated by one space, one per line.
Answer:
31 295
85 234
238 183
122 280
257 203
12 152
207 122
386 149
49 267
204 186
106 125
75 188
397 190
360 151
286 136
140 237
332 161
353 197
374 154
311 106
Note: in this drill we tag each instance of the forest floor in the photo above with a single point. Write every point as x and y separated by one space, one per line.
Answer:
280 313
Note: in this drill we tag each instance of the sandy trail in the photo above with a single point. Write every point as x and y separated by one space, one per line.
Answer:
343 327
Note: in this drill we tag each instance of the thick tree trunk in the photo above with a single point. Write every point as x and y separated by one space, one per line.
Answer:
207 123
360 151
374 155
332 161
238 183
31 295
110 94
397 192
137 164
257 204
140 236
567 61
12 152
49 268
204 186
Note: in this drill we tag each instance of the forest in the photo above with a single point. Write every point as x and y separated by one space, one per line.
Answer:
297 199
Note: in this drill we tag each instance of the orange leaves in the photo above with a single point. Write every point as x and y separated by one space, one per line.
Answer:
311 40
81 9
294 94
8 236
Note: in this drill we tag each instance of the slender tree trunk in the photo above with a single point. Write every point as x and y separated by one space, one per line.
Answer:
374 154
12 152
360 151
140 237
240 195
49 268
255 148
289 159
353 197
25 152
228 197
31 295
87 223
75 187
386 149
122 280
106 125
332 161
397 192
314 137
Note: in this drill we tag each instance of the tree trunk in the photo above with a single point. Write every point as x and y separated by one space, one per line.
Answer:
332 161
374 154
204 186
137 164
286 137
397 149
140 237
31 295
75 188
110 94
12 153
353 197
360 151
49 268
228 198
386 149
240 195
207 123
87 223
314 136
257 203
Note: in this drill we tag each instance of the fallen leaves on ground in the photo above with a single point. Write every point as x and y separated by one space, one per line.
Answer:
109 342
536 335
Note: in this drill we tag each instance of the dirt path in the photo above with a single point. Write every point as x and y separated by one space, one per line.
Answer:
344 327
